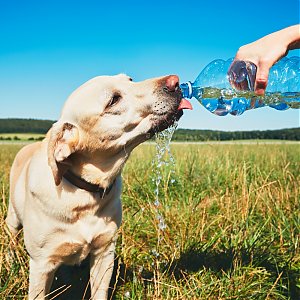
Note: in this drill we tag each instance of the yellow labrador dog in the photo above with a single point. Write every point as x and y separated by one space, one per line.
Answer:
65 190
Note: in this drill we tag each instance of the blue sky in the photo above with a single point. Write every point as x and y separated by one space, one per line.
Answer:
49 48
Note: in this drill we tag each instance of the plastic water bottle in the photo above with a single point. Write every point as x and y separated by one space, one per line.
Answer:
224 87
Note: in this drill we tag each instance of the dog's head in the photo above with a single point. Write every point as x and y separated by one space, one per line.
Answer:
105 118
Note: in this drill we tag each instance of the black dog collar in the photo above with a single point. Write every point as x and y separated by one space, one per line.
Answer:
85 185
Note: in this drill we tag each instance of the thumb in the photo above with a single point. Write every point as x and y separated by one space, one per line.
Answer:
261 80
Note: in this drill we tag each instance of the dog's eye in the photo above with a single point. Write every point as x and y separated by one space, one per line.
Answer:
114 99
130 79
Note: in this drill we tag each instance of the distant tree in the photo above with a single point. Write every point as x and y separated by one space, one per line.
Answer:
210 135
42 126
25 126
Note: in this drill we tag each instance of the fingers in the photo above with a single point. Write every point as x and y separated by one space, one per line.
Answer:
241 75
247 75
261 81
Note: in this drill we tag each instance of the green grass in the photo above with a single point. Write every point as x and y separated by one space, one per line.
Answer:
232 231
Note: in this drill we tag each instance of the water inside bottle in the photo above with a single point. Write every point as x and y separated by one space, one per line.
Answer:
223 101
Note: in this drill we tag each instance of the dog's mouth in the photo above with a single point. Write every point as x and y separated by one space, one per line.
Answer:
169 104
165 120
164 123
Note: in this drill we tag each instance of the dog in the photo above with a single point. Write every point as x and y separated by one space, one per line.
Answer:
65 190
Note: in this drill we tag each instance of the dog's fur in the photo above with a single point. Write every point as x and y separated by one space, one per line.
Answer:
101 123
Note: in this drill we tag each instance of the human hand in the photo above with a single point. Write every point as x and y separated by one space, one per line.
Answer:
264 53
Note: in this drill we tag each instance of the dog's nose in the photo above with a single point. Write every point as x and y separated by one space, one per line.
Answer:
172 82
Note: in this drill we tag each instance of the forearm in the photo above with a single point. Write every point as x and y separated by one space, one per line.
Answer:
272 46
293 35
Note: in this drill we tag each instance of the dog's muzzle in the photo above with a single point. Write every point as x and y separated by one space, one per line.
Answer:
169 105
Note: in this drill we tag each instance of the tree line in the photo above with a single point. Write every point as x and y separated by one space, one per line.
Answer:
25 126
292 134
42 126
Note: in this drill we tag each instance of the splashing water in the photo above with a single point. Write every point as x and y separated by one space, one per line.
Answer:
162 163
163 158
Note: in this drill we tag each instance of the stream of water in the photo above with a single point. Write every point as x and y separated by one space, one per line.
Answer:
163 163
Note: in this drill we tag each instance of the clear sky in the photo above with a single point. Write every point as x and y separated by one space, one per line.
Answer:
49 48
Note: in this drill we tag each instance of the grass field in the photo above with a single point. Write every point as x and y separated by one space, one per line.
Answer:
232 232
21 136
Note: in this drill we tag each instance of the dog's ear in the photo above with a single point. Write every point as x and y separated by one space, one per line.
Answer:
63 141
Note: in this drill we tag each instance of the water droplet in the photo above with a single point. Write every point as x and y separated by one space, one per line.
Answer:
162 225
154 253
127 294
156 203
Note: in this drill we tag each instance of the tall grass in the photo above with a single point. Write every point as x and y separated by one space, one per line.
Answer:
13 257
232 218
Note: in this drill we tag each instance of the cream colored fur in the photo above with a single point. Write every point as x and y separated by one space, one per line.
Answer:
101 122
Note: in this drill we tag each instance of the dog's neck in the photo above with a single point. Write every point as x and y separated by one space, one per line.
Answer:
85 185
98 171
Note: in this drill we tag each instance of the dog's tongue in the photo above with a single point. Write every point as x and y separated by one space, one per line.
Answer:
185 104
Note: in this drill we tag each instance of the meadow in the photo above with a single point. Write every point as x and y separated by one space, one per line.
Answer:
232 225
21 136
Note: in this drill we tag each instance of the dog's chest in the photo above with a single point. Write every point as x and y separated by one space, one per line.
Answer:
90 228
88 235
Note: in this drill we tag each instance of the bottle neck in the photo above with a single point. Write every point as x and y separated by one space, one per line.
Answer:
187 89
